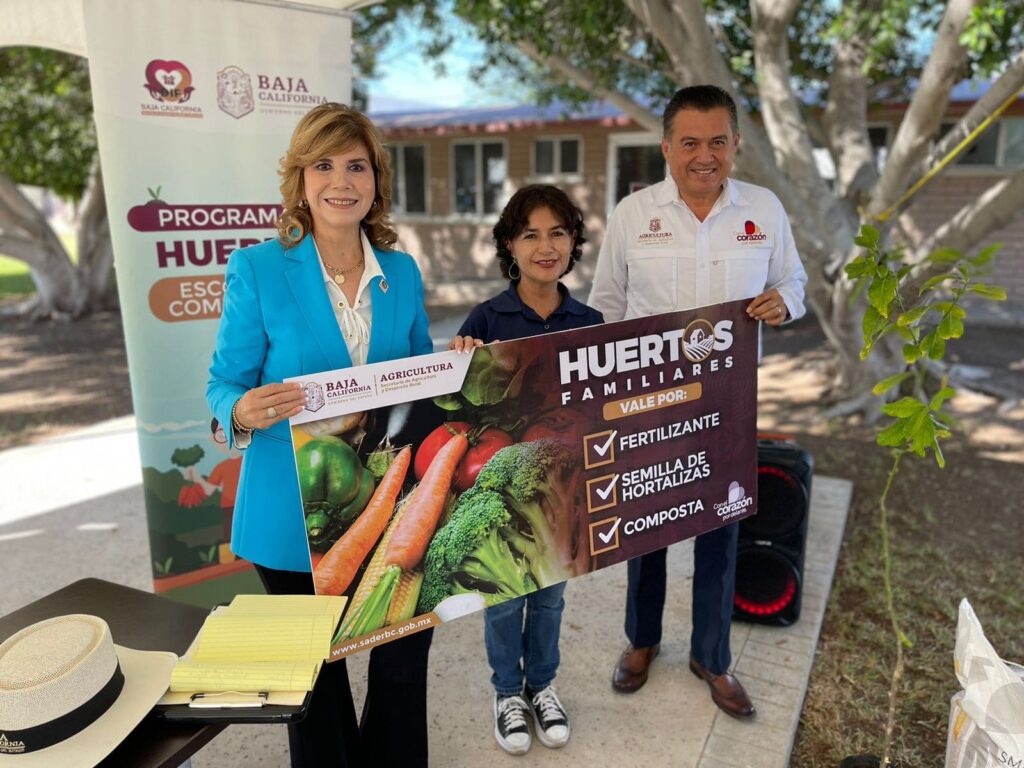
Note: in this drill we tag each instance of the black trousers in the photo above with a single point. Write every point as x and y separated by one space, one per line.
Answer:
392 732
714 584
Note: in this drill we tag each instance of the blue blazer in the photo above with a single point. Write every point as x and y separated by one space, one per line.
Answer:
278 322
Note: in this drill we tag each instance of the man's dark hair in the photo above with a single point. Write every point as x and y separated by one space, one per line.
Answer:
703 98
516 216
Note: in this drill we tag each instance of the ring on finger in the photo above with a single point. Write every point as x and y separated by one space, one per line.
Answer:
271 412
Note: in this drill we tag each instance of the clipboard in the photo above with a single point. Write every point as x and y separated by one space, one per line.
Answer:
234 708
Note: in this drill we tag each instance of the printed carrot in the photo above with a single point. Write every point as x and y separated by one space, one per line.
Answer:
334 573
412 536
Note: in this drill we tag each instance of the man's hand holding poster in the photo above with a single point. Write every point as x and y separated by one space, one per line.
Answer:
437 485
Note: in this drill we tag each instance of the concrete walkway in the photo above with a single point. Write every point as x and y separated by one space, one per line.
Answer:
72 507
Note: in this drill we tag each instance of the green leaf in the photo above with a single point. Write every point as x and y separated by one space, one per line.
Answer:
921 432
903 271
904 408
950 327
944 256
911 353
894 435
859 267
882 292
911 316
940 458
932 282
933 346
888 383
872 323
940 397
991 292
985 255
869 237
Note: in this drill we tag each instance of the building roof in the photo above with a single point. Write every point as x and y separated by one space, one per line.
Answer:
497 118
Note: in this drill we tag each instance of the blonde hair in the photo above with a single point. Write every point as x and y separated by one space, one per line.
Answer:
326 130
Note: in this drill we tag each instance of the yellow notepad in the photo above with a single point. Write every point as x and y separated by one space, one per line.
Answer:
260 643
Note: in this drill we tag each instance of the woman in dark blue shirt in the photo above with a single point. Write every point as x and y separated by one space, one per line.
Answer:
538 239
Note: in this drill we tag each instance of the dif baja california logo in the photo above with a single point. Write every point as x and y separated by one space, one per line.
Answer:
169 82
234 92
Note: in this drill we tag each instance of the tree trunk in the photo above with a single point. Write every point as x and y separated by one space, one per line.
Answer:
95 253
26 235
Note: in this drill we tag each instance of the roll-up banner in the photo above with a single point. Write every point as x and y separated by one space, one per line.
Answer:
195 102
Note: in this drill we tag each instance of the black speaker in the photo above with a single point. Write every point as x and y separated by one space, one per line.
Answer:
770 552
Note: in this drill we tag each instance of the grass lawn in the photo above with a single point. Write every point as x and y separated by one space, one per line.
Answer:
15 278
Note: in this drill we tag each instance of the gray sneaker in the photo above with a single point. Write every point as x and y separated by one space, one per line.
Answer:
553 727
510 727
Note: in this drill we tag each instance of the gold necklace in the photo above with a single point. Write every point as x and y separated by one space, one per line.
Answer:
338 275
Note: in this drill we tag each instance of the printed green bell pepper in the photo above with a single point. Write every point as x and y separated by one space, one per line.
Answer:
335 488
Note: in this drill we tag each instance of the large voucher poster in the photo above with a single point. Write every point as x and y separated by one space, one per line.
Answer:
437 485
195 102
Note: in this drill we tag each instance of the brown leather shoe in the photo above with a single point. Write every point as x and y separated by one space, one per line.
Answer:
726 691
631 672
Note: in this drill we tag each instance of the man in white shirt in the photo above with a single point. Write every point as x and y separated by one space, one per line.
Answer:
696 238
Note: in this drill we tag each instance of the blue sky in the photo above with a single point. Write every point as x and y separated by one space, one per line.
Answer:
406 80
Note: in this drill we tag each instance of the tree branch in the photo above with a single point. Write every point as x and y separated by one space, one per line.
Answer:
846 118
923 116
995 208
1008 84
784 123
586 81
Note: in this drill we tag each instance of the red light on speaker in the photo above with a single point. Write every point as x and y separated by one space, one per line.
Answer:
772 607
779 472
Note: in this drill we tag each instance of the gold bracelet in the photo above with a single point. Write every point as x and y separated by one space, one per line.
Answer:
236 424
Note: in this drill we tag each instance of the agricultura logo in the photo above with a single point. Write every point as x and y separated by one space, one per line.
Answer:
655 225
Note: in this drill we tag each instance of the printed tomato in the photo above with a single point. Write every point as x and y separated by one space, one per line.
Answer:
481 449
433 443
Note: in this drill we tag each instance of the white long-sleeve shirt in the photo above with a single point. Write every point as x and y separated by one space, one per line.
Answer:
657 256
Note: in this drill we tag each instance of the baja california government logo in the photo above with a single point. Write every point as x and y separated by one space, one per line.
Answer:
234 92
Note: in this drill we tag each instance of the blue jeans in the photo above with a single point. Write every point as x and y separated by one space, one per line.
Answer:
535 645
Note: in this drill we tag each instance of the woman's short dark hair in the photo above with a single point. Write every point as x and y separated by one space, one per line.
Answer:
516 216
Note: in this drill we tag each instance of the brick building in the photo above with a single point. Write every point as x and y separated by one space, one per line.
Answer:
455 169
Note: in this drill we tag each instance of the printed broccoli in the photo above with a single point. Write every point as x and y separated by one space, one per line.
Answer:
470 554
513 531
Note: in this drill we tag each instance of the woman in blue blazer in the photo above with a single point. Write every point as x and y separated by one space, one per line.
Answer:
329 293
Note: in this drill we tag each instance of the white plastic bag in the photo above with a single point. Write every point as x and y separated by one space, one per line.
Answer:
986 718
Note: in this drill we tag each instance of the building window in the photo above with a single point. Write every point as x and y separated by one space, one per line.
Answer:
409 182
480 171
557 157
1013 142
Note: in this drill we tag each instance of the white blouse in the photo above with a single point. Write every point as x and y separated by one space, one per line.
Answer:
354 321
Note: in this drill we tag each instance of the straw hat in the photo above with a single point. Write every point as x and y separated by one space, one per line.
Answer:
68 695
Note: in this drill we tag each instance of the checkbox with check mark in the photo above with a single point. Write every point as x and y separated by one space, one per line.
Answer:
599 449
602 493
604 535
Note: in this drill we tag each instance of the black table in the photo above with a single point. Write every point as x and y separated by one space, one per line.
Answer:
139 620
